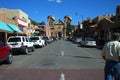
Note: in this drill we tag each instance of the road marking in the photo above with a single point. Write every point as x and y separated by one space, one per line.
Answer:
62 53
62 76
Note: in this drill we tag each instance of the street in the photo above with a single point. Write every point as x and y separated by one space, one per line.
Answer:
60 60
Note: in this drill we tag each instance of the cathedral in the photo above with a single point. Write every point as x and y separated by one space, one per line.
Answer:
58 28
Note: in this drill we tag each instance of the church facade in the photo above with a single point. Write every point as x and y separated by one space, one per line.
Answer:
58 28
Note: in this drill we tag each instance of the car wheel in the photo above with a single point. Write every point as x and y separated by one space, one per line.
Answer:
43 45
26 50
10 58
80 44
33 48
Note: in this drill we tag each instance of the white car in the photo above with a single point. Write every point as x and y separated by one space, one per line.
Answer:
38 41
88 42
20 44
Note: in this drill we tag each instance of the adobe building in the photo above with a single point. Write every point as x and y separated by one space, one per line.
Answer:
20 18
115 22
109 25
8 27
102 27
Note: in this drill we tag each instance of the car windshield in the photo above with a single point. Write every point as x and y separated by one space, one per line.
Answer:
45 38
34 38
89 39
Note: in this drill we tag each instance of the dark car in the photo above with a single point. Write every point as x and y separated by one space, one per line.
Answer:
46 39
5 53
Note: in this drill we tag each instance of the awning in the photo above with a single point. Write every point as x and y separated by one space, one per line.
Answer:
5 28
14 28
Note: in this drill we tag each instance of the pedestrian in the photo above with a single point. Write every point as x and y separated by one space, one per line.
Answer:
111 55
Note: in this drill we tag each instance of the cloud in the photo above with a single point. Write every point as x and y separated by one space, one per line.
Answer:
59 1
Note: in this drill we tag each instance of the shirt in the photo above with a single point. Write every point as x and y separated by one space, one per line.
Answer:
111 51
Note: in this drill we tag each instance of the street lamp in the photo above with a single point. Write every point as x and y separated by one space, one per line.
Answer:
81 25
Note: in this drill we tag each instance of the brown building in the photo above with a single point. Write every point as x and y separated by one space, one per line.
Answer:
44 30
109 24
102 27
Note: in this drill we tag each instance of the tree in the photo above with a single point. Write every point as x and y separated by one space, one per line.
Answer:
36 23
33 22
69 29
41 23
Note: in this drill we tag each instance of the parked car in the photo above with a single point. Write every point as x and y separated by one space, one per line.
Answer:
53 38
46 39
5 53
77 39
88 42
20 44
38 41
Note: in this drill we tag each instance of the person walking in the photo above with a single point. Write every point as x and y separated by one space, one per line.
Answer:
111 55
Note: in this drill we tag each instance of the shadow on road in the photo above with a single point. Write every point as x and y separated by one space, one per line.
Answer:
85 57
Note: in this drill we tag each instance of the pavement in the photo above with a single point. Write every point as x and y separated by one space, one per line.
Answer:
50 74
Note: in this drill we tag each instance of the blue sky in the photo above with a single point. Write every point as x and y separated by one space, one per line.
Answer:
38 10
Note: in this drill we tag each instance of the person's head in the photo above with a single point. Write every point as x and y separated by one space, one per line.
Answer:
116 36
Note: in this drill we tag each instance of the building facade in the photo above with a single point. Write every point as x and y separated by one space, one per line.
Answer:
20 18
102 27
58 28
8 27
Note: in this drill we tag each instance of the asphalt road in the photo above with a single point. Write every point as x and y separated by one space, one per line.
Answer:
60 60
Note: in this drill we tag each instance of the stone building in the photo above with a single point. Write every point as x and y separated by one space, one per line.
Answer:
51 21
58 28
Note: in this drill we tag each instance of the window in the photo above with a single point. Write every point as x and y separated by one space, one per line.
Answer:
14 39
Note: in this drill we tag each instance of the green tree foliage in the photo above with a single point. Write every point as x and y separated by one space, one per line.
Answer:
36 23
41 23
33 22
69 28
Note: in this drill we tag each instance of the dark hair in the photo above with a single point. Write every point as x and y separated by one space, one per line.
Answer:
116 36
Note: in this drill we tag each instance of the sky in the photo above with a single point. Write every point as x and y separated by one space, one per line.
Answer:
79 10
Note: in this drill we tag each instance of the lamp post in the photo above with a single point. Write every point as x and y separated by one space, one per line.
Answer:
82 27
